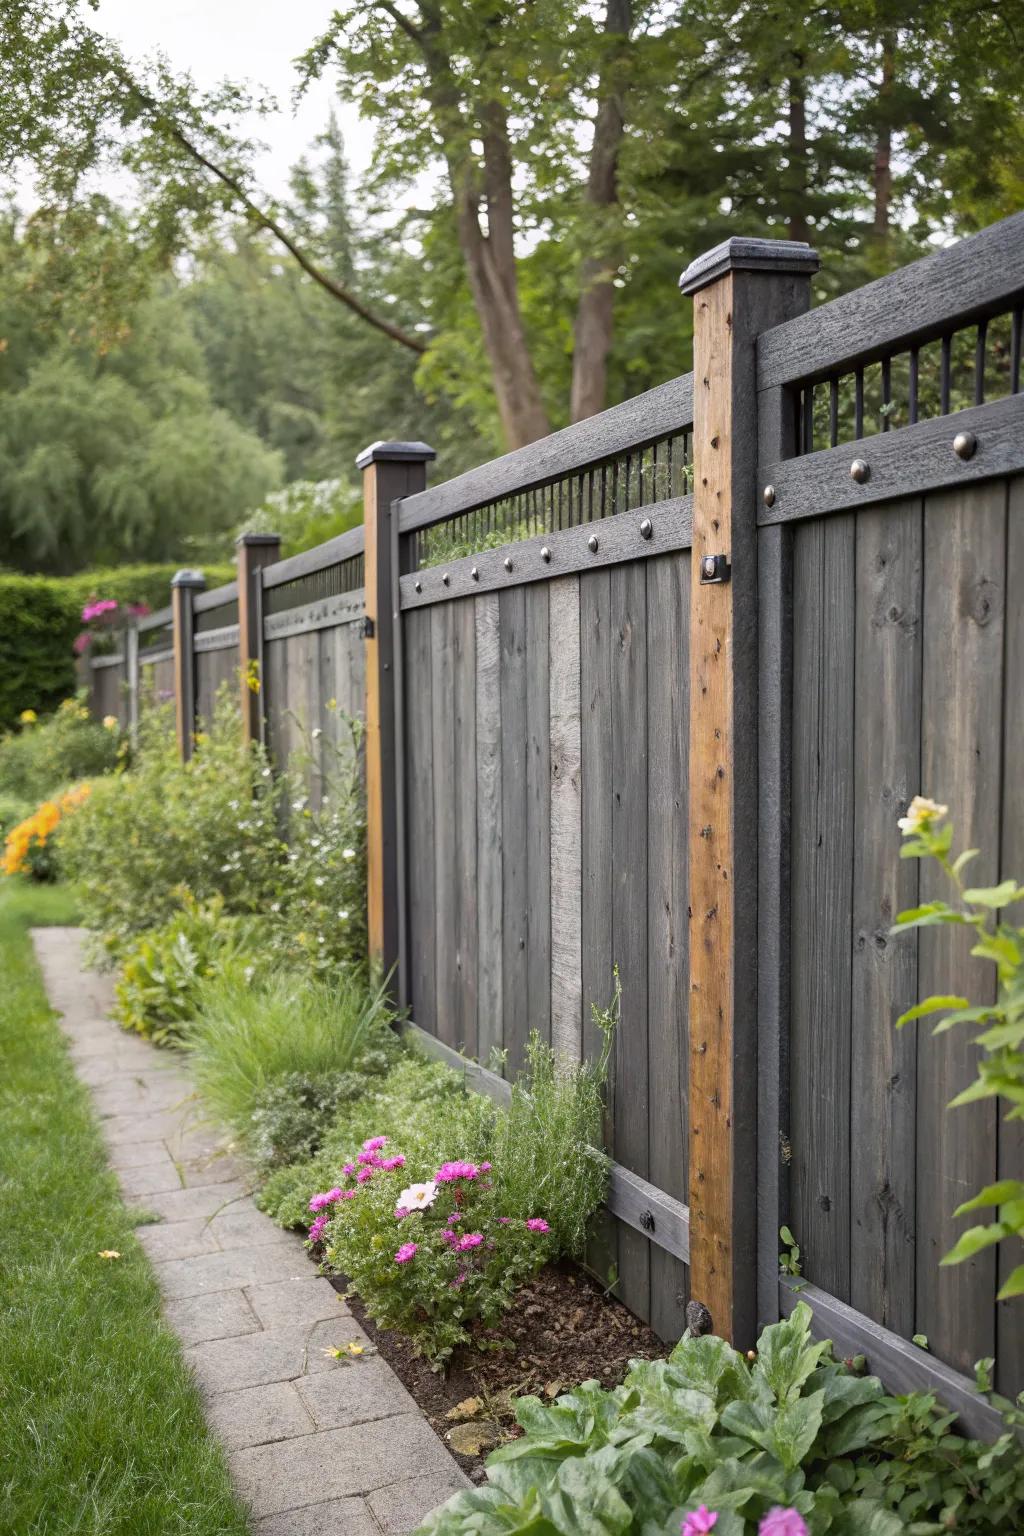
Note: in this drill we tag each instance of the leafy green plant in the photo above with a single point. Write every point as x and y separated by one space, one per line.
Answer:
247 1037
44 754
162 973
792 1430
927 834
293 1114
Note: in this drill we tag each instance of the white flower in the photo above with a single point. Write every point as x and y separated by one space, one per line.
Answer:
348 853
319 880
275 906
418 1196
920 813
343 914
316 733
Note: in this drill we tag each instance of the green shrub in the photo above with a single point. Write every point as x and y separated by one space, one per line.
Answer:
43 754
795 1430
247 1037
293 1114
12 811
209 825
162 974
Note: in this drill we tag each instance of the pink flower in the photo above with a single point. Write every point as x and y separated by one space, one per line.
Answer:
782 1522
327 1198
349 1194
485 1167
469 1240
388 1163
349 1169
405 1253
400 1213
449 1172
537 1224
364 1175
316 1229
453 1218
458 1280
375 1143
448 1236
699 1522
503 1221
82 642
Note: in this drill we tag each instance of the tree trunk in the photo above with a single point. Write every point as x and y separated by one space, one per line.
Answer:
883 141
592 337
798 155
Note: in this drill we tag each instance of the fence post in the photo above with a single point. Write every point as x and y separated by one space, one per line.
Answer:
184 586
253 552
131 668
740 288
390 471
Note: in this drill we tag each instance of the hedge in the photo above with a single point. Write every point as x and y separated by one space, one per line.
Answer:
41 615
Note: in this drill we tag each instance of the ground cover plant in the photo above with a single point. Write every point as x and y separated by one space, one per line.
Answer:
101 1429
45 754
789 1443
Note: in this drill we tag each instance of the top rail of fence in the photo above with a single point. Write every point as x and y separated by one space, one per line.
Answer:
158 620
344 547
217 597
654 414
977 277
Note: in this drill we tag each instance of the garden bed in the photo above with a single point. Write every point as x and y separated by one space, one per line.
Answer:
564 1329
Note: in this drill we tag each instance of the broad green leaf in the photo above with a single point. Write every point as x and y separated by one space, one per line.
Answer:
929 912
785 1354
1013 1285
963 859
992 1194
973 1241
964 1016
994 896
930 1005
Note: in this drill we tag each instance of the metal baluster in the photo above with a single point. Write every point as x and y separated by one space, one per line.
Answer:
947 342
886 391
912 389
833 411
808 418
979 363
858 404
1015 343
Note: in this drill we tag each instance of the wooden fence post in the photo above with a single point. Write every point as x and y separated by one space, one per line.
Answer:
390 470
184 586
740 288
253 552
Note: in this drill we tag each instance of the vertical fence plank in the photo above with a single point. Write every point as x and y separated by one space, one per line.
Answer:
538 809
419 803
566 825
442 685
628 614
488 825
887 732
823 682
252 552
514 808
464 785
1009 1323
668 611
184 586
964 565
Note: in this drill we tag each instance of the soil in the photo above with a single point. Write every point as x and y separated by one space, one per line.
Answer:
563 1329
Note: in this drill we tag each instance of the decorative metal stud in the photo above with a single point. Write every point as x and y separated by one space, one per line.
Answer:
859 471
714 570
418 585
475 574
965 445
545 554
592 543
646 528
768 495
647 1221
508 562
446 578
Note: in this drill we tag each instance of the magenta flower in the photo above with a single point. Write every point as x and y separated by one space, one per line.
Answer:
82 642
458 1280
503 1221
485 1167
375 1143
405 1253
389 1163
400 1213
448 1236
448 1173
537 1224
782 1522
701 1521
364 1175
328 1197
348 1194
453 1218
316 1229
98 609
469 1240
349 1169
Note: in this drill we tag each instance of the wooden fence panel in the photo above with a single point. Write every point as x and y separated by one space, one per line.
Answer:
215 669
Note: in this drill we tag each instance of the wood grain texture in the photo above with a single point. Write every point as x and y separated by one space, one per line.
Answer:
419 802
822 863
628 620
668 680
446 860
566 819
514 819
538 811
488 826
379 736
463 705
887 772
964 565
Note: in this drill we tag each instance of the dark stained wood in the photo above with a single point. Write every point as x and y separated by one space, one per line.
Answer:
566 825
488 826
464 998
907 461
324 613
822 860
538 811
514 844
964 573
667 682
419 804
344 547
668 408
447 1009
887 734
628 623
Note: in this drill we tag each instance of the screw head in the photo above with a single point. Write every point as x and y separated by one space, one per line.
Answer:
475 574
508 562
646 528
446 578
545 554
859 471
768 495
708 563
965 445
592 543
418 585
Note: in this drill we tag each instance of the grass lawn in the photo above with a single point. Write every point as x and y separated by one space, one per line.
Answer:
101 1430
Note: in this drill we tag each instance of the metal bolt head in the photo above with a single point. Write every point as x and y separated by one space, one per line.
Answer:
965 445
859 471
446 578
545 554
709 565
646 528
475 574
768 495
592 543
508 562
418 585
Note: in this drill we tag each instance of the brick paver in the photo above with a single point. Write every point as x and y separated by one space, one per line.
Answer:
316 1447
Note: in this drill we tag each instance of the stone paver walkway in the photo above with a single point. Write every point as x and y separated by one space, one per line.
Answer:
316 1447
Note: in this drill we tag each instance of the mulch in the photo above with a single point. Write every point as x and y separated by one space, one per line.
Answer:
563 1329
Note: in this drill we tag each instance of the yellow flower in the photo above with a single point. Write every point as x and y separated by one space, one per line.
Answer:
921 812
108 1253
111 722
28 717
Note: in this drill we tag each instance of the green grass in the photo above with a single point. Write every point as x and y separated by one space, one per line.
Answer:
101 1430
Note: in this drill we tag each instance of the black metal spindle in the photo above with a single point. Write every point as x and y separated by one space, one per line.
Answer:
912 386
833 411
858 403
886 391
944 371
979 363
808 418
1015 345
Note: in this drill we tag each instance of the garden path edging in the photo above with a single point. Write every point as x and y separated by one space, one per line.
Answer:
316 1447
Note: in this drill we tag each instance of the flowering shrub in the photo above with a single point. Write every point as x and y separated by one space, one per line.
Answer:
102 618
927 834
45 754
793 1443
429 1257
30 848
